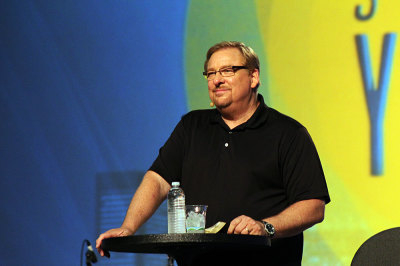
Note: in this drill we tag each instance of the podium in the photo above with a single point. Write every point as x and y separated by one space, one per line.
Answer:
193 249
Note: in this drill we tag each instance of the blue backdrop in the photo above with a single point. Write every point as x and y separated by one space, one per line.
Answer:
87 87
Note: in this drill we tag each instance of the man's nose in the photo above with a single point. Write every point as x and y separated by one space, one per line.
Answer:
218 79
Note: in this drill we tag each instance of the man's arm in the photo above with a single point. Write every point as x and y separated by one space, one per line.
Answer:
291 221
148 197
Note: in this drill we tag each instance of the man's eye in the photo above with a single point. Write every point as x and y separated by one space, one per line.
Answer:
227 70
210 74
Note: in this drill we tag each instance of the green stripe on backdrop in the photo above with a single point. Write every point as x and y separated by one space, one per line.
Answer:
209 22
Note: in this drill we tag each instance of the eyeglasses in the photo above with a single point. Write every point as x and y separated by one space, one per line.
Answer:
225 72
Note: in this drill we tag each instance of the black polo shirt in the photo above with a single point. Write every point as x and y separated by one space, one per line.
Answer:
257 169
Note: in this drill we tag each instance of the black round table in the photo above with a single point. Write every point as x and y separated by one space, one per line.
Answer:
191 249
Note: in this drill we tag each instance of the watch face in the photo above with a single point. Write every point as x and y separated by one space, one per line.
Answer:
269 228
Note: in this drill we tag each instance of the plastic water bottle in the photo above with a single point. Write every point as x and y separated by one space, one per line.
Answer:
176 209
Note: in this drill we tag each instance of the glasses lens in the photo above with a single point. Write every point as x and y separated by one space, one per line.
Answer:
210 75
227 72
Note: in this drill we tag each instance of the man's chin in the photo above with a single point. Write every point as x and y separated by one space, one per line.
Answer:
222 104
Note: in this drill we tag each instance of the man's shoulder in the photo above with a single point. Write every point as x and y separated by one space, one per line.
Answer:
287 129
200 114
283 121
198 118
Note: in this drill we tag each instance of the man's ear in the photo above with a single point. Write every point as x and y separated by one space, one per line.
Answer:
255 78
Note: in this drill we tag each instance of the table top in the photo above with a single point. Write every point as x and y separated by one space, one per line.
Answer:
173 243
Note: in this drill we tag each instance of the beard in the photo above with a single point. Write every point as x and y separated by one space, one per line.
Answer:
221 101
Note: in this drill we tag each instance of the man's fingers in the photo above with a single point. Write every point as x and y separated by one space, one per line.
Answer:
98 244
98 240
245 231
117 232
245 225
239 224
240 228
233 224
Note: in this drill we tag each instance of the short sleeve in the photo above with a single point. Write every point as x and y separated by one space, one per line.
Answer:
168 163
302 172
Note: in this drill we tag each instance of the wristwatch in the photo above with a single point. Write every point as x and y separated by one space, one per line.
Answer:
269 229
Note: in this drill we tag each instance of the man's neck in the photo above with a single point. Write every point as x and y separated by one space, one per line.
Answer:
236 118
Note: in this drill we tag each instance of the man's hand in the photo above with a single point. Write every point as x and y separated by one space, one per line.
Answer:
117 232
245 225
151 192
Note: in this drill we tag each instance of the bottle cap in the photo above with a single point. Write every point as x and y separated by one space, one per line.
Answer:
175 184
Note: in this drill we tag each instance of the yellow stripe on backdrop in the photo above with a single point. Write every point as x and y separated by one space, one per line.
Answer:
311 70
316 77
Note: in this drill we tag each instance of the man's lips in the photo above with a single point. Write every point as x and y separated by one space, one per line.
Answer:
220 90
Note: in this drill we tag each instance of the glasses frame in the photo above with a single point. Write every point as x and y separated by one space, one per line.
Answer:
234 68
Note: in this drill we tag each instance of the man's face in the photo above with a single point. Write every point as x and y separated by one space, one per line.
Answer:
231 92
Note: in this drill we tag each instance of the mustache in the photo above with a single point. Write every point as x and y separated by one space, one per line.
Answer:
221 88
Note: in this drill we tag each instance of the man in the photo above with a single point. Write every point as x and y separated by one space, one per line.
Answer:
255 168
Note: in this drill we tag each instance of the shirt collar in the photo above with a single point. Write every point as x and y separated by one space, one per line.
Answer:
256 120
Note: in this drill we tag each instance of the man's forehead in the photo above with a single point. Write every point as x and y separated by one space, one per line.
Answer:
225 57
